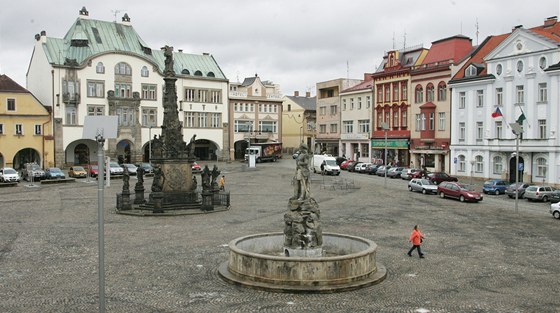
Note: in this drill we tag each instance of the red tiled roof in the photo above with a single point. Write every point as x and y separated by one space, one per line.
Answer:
8 85
484 48
427 105
452 48
361 86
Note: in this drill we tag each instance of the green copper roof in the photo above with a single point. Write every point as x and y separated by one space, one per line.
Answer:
88 38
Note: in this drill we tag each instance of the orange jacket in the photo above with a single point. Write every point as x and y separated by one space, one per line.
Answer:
416 237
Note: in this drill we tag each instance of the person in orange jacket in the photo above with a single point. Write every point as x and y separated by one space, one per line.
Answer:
416 238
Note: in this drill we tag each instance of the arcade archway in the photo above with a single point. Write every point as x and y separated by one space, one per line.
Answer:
124 147
27 155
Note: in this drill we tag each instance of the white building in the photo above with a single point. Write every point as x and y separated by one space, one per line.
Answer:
105 68
516 73
356 117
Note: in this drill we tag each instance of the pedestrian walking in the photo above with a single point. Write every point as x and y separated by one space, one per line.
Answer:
223 183
416 238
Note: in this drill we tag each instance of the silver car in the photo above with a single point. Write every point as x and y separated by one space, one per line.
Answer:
538 193
423 185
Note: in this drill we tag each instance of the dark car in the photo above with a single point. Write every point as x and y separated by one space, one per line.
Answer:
351 166
495 186
32 171
339 160
518 188
54 173
371 169
554 197
439 177
395 172
458 191
147 167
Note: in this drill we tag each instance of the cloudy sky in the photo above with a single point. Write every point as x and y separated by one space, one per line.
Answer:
294 43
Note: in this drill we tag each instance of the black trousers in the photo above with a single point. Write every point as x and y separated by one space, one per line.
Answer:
415 247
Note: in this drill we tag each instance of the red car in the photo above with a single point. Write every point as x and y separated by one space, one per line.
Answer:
92 170
344 164
196 168
458 191
439 177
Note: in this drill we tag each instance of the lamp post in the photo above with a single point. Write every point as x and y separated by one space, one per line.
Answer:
150 144
517 131
472 170
385 127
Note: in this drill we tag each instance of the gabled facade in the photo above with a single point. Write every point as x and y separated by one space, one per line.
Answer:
25 127
298 121
256 110
355 115
517 74
430 111
392 104
328 114
105 68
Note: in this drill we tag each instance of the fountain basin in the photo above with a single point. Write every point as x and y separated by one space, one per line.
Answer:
259 261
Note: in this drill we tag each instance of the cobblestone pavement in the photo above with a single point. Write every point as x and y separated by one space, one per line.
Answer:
479 257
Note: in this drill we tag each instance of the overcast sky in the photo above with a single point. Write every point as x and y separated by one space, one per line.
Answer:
294 43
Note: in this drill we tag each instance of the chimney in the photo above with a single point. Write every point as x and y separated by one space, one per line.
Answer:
550 21
516 27
308 94
84 12
296 93
126 19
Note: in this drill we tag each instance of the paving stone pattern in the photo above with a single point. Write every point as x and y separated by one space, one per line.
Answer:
479 257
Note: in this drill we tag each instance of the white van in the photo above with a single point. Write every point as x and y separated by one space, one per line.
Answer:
328 163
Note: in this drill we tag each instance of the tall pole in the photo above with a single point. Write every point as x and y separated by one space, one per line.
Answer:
100 227
385 179
150 145
516 171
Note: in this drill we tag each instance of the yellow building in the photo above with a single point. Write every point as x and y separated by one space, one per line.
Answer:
298 121
25 127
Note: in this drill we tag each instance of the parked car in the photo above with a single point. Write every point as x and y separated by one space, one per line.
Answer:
77 172
196 169
371 169
538 193
422 185
361 168
555 210
408 172
54 173
518 188
395 172
93 170
458 191
555 196
344 164
115 169
8 174
381 170
352 166
32 171
495 186
439 177
147 167
131 168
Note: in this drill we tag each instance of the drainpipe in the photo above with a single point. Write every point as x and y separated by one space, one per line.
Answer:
52 119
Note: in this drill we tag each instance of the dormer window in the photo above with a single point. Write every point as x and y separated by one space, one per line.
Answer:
210 74
100 68
144 71
185 71
471 71
198 73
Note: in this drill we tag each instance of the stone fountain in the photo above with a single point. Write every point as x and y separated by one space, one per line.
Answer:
302 258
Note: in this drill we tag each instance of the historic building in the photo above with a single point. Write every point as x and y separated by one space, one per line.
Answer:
255 108
25 127
391 129
105 68
328 115
430 109
511 78
298 121
355 115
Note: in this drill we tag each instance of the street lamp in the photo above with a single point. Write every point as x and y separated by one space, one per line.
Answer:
385 127
472 170
150 144
517 131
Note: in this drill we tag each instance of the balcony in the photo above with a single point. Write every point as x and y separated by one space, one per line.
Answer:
72 98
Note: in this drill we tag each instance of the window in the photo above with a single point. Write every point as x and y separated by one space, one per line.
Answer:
441 122
479 131
38 129
497 167
396 92
499 69
333 109
519 94
95 89
1 129
422 121
442 92
542 63
334 128
149 92
479 98
498 129
430 93
149 117
365 150
432 121
359 103
404 92
388 118
70 90
123 90
322 110
418 94
123 69
189 94
216 96
348 127
478 164
70 114
462 100
543 94
144 71
519 66
322 128
396 119
95 110
19 129
344 104
202 95
418 121
267 126
11 104
363 126
351 103
216 120
368 102
403 119
125 116
462 131
202 120
542 129
379 94
100 68
470 71
542 167
499 96
461 163
387 93
190 121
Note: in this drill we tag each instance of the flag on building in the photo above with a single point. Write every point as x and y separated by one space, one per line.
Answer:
521 118
497 113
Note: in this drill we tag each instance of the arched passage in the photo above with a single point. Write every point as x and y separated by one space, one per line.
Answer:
124 147
27 155
512 169
205 149
240 147
82 152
